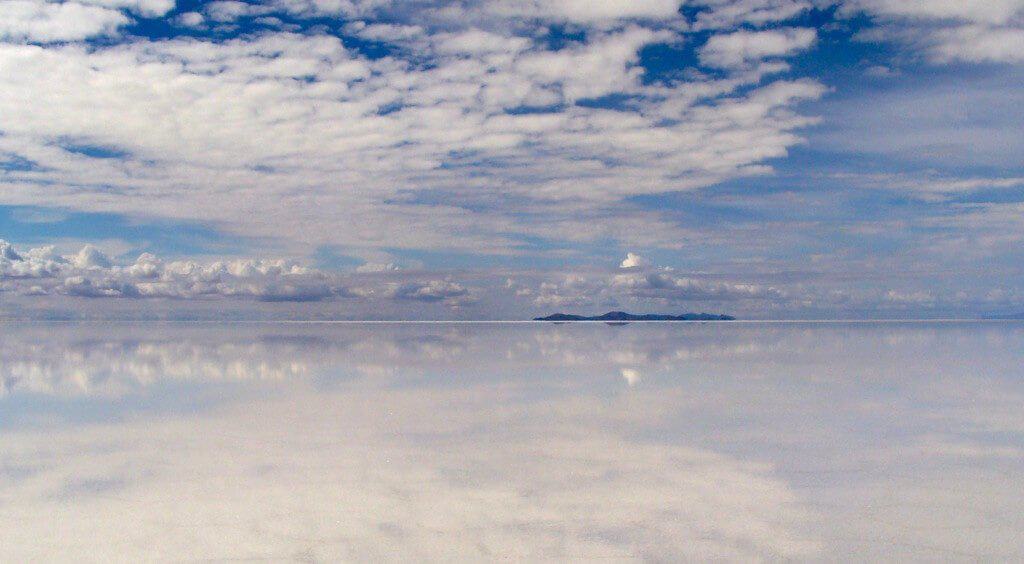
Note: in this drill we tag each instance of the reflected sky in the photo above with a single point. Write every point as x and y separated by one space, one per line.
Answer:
446 441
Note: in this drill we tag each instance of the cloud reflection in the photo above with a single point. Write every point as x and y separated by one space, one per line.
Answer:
515 442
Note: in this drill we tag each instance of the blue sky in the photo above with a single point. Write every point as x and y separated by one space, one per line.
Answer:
501 158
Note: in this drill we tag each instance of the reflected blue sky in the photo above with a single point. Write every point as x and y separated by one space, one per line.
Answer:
321 442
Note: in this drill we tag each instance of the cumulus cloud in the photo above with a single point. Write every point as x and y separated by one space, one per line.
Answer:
231 10
7 252
634 260
743 47
640 283
45 21
319 8
91 274
190 19
42 21
670 287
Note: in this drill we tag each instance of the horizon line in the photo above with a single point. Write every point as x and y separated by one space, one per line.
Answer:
507 321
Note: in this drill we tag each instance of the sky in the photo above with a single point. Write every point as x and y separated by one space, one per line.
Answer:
501 159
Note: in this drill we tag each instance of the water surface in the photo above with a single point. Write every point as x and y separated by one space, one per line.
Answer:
492 442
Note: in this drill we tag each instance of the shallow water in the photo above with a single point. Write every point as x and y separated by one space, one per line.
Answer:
530 441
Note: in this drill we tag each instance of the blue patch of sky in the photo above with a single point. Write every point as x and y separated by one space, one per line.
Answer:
528 110
669 63
611 101
429 197
957 120
762 199
18 224
837 57
16 163
697 210
94 151
1014 195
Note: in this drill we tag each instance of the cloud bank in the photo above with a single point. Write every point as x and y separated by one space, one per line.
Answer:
91 274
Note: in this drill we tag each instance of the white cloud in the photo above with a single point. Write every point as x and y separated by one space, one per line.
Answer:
41 21
939 125
36 263
913 298
91 258
881 71
475 42
8 253
472 130
996 12
670 287
950 30
45 21
632 376
339 142
638 283
231 10
445 291
372 267
719 14
586 11
190 19
601 67
580 12
91 274
979 44
146 8
319 8
633 260
745 47
929 185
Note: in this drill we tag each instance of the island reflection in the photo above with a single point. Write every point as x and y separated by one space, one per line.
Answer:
368 442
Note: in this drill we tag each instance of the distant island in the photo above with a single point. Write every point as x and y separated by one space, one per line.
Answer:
623 316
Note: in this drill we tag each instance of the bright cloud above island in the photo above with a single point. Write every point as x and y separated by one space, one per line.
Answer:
496 158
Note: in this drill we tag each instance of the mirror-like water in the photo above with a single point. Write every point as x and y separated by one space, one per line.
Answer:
486 442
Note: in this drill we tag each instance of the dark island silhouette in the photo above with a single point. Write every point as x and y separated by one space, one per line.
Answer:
623 316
